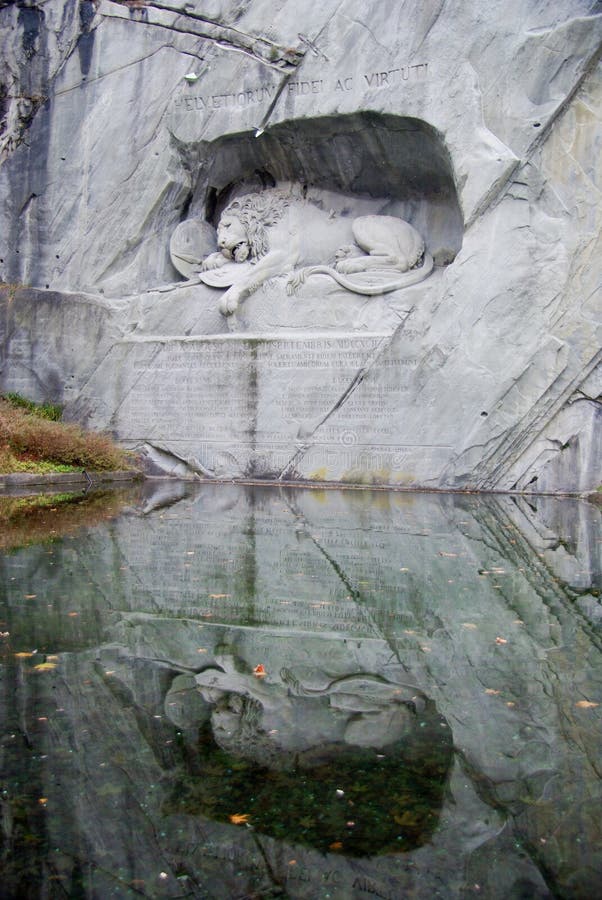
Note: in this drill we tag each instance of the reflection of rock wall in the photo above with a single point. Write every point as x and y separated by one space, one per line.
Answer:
484 606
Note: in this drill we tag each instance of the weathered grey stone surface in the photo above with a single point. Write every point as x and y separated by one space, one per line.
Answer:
479 127
481 606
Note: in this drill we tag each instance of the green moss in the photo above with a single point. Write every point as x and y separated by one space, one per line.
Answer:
51 411
10 463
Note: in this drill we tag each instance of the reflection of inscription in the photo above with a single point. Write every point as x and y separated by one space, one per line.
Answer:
367 886
243 99
234 855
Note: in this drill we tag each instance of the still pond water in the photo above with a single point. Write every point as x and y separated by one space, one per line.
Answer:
245 692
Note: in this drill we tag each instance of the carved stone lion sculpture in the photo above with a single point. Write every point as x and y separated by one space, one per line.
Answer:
263 235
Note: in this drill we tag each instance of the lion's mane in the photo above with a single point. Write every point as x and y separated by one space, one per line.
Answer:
257 212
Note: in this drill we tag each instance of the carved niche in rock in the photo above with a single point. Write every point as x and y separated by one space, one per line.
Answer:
276 232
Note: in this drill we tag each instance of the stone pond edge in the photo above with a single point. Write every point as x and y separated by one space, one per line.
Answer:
26 479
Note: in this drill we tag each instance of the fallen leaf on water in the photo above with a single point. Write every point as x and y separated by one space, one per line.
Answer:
30 596
43 801
218 596
201 650
468 625
238 819
500 640
510 703
259 671
517 622
24 654
44 667
491 691
336 845
292 862
586 704
72 614
406 818
408 631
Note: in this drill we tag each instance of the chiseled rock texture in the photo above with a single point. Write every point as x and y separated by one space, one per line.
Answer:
479 124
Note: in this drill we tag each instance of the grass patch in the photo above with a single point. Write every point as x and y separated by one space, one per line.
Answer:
31 441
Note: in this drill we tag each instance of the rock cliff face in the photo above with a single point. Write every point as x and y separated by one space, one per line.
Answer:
121 120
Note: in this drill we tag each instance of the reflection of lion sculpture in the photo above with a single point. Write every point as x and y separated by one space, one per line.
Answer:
272 233
304 708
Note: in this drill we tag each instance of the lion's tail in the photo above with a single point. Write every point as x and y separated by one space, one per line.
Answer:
405 279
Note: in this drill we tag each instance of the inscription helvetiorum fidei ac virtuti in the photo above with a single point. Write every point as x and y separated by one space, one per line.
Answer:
358 243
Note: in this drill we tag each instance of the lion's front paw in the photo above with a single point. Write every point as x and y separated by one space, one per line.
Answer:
349 266
214 261
345 251
229 303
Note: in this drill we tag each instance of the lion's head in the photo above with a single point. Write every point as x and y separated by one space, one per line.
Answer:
241 232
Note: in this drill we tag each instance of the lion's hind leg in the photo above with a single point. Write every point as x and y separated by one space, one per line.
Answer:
390 241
